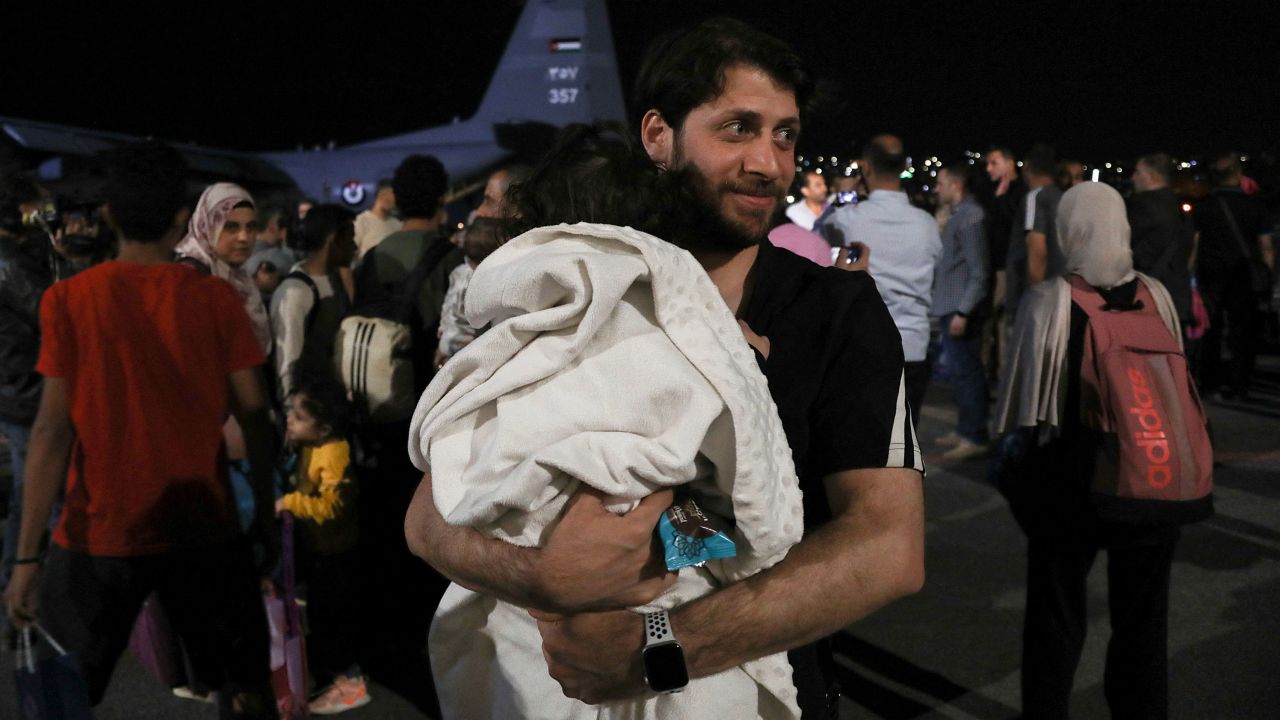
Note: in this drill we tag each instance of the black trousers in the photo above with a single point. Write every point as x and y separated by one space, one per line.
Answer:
333 609
89 604
1232 308
1136 681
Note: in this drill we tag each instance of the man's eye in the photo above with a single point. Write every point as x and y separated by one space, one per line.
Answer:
737 127
786 136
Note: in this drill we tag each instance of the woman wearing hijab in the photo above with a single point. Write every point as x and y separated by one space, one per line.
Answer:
220 240
1039 404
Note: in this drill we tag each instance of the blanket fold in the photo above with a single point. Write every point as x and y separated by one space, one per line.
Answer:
611 361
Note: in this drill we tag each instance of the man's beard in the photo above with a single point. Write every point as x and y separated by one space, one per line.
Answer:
700 223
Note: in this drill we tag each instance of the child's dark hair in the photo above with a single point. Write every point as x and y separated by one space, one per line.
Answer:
593 173
324 398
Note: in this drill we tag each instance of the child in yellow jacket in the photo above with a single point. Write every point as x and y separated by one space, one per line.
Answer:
324 505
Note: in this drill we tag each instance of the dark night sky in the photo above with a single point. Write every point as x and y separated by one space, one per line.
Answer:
1098 80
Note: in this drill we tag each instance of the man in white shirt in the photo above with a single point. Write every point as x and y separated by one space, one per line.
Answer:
377 222
813 192
905 247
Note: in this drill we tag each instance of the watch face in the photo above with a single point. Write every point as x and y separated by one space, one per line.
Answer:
664 667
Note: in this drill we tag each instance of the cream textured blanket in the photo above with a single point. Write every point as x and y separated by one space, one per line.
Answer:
612 361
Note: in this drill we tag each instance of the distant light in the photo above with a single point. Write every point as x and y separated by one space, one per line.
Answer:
1108 166
818 171
970 162
1186 207
819 158
791 199
1019 163
926 188
1119 169
933 173
461 225
1096 174
855 165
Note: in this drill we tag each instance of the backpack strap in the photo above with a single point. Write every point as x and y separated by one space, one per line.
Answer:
407 293
315 297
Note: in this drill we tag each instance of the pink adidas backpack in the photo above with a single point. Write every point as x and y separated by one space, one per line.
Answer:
1157 463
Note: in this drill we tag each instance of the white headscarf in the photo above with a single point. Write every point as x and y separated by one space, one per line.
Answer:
1093 229
206 224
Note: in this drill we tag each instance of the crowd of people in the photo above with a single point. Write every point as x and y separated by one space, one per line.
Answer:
170 393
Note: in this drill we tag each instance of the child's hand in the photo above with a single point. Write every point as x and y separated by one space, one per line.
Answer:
280 506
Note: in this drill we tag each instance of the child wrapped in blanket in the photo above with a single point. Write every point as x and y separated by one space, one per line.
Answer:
612 361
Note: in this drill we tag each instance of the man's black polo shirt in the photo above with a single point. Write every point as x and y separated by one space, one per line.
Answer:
834 370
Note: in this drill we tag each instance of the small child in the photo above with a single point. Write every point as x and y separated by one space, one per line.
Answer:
324 504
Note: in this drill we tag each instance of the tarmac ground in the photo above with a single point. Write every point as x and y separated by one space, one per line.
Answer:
952 650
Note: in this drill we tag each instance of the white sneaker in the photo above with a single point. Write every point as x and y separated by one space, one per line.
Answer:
965 450
951 439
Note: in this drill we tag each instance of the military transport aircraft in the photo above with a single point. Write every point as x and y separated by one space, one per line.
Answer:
558 68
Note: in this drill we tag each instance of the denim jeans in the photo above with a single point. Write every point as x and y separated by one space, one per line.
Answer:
964 365
18 436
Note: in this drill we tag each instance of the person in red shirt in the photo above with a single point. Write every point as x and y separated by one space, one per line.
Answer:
142 360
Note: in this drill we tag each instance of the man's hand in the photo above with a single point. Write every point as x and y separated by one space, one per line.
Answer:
595 559
22 598
862 262
958 325
589 670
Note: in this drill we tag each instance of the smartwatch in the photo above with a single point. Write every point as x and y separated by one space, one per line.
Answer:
664 668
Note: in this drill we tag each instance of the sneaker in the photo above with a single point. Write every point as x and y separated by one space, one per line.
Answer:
951 439
187 693
964 450
345 694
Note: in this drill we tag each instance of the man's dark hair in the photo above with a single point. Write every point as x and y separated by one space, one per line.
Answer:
1226 168
685 68
278 213
145 189
1160 164
1040 161
884 160
419 183
309 233
383 184
805 174
959 172
1003 150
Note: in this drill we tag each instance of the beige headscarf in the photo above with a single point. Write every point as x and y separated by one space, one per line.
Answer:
1094 232
206 224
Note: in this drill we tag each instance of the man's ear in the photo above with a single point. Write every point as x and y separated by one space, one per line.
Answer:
658 138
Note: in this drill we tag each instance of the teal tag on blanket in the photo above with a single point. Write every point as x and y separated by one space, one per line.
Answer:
691 537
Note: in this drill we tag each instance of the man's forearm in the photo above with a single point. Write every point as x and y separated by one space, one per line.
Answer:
593 559
1268 251
46 471
863 559
469 558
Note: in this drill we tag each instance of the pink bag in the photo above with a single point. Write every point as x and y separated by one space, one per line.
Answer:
288 646
1199 316
1157 464
155 645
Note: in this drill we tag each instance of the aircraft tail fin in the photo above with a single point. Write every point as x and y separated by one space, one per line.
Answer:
559 67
